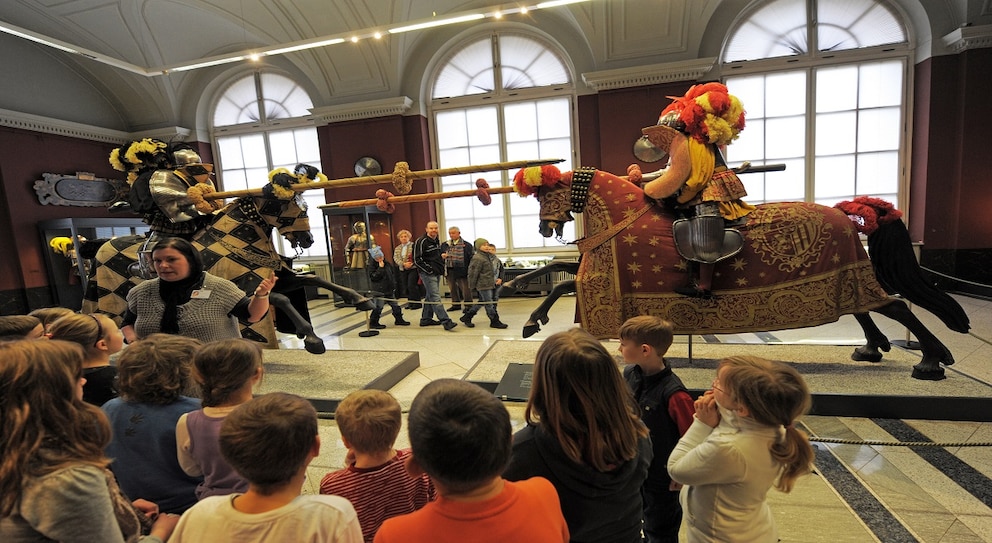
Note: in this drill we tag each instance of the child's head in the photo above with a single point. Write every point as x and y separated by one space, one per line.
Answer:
157 369
48 315
460 434
225 367
773 393
41 407
645 338
369 420
269 439
21 327
579 397
98 334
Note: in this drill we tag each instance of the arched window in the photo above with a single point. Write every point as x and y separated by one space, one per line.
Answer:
503 96
261 123
824 84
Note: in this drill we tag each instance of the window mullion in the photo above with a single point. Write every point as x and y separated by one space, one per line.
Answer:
809 187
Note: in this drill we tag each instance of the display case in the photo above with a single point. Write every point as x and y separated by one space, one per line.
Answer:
347 244
67 273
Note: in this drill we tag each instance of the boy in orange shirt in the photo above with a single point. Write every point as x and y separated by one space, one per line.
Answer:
461 435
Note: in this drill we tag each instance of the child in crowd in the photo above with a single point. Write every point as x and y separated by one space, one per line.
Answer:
48 315
271 440
742 442
153 374
585 435
666 409
100 338
482 278
460 436
227 371
376 481
383 279
54 482
498 268
21 327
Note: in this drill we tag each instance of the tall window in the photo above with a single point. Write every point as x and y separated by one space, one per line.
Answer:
259 125
501 97
824 86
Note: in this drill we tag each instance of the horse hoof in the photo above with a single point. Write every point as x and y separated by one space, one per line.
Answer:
530 329
860 355
364 304
314 346
927 374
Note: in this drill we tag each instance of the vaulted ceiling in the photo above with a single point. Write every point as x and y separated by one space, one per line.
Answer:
124 79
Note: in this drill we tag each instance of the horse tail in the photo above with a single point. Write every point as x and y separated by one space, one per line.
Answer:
894 261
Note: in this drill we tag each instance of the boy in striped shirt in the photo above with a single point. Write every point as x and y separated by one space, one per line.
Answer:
375 480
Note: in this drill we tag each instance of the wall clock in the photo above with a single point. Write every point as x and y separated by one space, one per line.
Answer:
367 166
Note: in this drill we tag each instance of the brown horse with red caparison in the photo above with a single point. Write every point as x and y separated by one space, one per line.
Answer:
802 265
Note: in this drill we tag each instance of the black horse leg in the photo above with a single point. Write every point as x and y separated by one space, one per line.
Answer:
350 296
876 341
521 281
311 342
540 315
935 353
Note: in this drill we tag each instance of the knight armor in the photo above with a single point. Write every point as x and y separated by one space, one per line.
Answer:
704 237
168 187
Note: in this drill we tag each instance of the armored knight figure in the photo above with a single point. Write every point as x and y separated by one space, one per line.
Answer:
159 191
357 249
697 180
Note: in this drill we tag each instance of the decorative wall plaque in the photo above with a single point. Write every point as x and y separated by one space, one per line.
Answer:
81 189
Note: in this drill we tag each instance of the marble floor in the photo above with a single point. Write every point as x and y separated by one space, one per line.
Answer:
938 490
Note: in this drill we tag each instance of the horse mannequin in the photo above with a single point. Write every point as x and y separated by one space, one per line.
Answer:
801 265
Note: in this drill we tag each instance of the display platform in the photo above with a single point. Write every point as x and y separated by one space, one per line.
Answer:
840 386
327 378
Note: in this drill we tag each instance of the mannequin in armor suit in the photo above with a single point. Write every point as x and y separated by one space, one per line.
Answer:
159 177
697 181
357 249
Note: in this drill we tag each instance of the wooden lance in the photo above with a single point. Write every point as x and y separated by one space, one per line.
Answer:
401 175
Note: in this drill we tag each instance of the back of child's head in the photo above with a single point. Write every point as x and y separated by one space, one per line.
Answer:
649 330
268 439
48 315
157 369
223 367
84 329
44 424
460 434
579 396
370 420
18 326
775 394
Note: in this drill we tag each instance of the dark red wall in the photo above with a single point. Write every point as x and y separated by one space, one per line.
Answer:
24 157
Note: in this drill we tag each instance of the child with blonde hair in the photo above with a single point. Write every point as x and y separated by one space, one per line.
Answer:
743 442
227 371
376 481
100 338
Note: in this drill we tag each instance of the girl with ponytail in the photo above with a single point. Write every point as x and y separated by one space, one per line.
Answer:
227 371
742 442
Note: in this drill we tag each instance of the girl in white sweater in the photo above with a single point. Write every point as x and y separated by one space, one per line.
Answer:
742 442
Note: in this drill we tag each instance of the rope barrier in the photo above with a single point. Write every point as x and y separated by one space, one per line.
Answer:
872 442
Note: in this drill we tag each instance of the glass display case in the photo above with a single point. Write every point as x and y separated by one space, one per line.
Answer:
67 272
351 231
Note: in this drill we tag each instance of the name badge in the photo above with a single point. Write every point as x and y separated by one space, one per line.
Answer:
200 294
